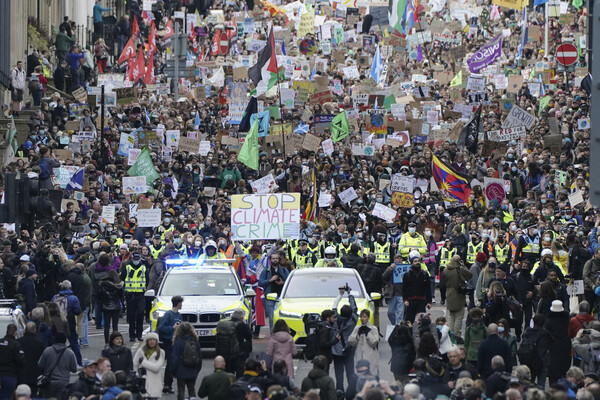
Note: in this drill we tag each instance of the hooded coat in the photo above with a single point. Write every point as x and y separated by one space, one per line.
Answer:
319 379
153 366
454 276
282 347
366 346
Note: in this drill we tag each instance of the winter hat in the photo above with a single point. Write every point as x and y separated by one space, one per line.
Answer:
30 272
413 254
151 335
547 252
481 257
60 337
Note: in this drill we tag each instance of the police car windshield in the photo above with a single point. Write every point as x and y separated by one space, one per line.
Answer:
200 284
321 285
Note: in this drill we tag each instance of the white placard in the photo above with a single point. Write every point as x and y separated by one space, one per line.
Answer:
133 155
384 212
505 135
134 184
149 217
518 117
401 183
348 195
583 123
324 199
108 214
476 83
173 138
266 184
204 148
351 72
576 198
327 146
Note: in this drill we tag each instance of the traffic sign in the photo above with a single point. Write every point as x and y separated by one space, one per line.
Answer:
566 54
223 43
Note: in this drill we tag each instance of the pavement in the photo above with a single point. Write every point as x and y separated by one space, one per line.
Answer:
301 367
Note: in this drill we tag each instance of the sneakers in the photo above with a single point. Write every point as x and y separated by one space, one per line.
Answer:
168 390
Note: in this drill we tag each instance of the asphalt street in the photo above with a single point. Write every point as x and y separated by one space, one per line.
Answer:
301 367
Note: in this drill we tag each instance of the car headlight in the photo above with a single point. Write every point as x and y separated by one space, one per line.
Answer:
227 314
288 314
158 314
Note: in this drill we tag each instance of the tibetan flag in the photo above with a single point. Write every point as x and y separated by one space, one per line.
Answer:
135 29
339 127
248 154
169 31
396 10
149 76
264 72
76 182
457 80
453 186
128 52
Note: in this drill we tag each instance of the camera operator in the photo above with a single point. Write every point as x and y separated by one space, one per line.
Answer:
87 386
343 353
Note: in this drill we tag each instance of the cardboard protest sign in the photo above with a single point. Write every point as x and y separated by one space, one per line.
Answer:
518 117
149 218
188 144
348 195
134 185
311 142
401 183
266 184
265 216
108 214
506 135
386 213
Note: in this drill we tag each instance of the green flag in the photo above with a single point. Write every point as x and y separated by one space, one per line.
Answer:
544 101
339 127
144 167
577 4
249 152
388 101
457 80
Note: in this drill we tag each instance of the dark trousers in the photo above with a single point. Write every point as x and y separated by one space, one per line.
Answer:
442 286
182 384
135 313
74 342
110 316
414 307
98 314
8 384
341 363
167 346
527 314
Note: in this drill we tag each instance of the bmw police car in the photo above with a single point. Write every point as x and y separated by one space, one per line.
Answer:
211 291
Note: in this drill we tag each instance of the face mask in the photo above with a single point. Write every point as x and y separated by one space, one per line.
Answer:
197 243
535 232
500 329
136 262
504 207
167 221
128 241
547 238
544 201
344 241
513 228
427 233
93 232
323 188
177 240
514 169
492 265
165 204
379 200
359 202
190 240
412 230
113 237
439 327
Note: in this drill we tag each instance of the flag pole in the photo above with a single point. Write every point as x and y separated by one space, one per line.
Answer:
281 112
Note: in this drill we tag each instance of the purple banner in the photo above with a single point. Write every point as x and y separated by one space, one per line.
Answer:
486 55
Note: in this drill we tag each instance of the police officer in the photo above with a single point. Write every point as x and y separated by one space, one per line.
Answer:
180 248
383 252
412 240
344 247
210 252
528 247
329 257
166 226
502 251
156 247
94 233
304 258
313 244
474 247
135 275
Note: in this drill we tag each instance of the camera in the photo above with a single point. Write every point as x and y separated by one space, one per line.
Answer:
345 288
587 331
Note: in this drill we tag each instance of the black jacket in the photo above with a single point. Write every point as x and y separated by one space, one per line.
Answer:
496 382
351 260
33 349
12 358
120 358
417 285
492 346
327 338
27 289
525 284
84 386
110 294
244 336
371 276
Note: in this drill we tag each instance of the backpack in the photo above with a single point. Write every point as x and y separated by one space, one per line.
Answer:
34 84
227 344
594 365
44 169
527 353
191 356
311 350
63 303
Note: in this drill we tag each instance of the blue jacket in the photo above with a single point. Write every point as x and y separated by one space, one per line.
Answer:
73 306
176 362
27 289
112 393
44 333
98 9
165 326
265 277
73 60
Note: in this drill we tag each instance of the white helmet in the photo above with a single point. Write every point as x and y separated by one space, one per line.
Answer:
210 243
414 254
329 250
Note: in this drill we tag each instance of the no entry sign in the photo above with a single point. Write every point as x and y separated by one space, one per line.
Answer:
566 54
224 43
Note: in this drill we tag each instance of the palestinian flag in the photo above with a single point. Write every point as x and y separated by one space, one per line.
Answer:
264 72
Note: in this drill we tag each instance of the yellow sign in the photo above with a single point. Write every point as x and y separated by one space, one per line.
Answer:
307 23
514 4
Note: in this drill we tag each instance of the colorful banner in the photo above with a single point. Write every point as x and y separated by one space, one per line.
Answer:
265 216
486 55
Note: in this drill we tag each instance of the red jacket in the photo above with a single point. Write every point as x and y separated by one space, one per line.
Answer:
576 323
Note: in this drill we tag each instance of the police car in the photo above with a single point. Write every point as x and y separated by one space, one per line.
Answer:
10 313
211 291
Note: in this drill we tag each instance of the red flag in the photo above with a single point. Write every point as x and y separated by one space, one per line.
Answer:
152 40
135 29
231 33
214 49
169 31
128 52
138 67
130 64
193 40
149 77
